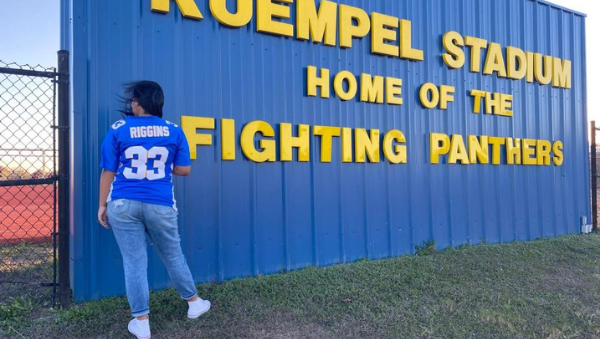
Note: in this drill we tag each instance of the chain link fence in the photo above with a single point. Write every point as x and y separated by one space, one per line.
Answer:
28 181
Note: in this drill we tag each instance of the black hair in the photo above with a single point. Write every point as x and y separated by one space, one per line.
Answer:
148 94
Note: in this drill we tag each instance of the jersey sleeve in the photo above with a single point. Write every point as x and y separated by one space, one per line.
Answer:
110 152
182 157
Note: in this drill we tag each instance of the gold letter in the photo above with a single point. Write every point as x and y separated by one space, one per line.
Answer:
514 57
562 73
313 82
327 134
446 96
513 151
528 151
347 29
301 142
455 58
267 146
346 144
188 8
493 103
458 152
393 87
189 125
266 10
424 95
494 61
364 144
338 85
479 151
496 143
243 16
478 95
558 154
506 105
320 25
543 152
476 45
406 50
228 139
380 33
439 144
371 88
544 76
399 156
530 67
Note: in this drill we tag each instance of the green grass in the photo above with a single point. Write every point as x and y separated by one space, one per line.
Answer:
543 289
23 270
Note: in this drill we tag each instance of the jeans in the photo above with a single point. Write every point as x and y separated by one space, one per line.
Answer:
131 221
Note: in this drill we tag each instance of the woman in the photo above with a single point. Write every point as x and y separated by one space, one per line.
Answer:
139 155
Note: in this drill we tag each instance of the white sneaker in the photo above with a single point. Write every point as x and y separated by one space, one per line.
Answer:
197 308
139 328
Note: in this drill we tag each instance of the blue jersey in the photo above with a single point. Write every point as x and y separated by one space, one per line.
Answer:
143 150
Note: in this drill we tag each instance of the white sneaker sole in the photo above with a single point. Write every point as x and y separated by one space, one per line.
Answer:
197 315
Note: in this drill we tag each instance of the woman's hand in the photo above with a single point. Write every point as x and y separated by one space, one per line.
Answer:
102 217
106 179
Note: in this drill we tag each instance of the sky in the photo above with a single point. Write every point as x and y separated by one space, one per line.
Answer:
32 36
591 8
31 31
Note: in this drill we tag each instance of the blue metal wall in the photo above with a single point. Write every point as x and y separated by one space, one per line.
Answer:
242 218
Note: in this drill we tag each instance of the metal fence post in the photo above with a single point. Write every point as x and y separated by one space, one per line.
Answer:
63 182
594 177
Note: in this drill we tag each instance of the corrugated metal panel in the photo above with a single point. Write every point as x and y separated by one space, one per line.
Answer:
242 218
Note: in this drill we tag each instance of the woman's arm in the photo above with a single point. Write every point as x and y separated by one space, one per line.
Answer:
106 180
183 171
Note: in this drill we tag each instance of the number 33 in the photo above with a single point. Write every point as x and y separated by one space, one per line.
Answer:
139 157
